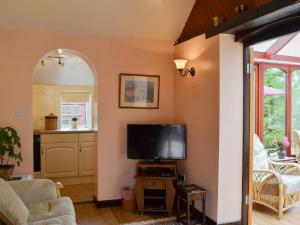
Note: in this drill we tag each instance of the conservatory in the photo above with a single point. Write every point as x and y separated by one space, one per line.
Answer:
277 84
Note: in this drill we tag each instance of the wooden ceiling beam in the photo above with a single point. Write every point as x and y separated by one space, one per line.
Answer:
200 20
201 17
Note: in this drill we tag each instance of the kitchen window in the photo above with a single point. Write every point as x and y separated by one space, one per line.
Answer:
75 104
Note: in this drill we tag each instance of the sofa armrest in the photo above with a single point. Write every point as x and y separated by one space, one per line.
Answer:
58 187
35 190
285 168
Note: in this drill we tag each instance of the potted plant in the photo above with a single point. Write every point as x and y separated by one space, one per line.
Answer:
74 121
281 146
9 143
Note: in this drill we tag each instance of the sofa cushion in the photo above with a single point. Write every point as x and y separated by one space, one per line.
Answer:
12 209
291 184
61 220
50 209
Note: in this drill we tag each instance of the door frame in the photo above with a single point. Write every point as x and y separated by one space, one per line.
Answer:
246 135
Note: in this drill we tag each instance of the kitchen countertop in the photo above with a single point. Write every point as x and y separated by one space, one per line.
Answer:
64 130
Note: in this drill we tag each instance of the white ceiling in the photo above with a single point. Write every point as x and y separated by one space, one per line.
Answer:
292 48
75 72
163 19
264 46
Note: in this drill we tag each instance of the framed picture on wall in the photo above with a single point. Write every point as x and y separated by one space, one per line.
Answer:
139 91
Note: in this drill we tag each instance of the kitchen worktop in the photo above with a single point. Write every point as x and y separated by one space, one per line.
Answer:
64 130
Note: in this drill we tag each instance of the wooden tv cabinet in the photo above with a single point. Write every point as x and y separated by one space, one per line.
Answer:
154 186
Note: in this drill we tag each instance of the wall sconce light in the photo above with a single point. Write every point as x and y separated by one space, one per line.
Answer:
180 65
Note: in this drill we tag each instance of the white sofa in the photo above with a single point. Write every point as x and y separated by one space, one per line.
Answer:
34 202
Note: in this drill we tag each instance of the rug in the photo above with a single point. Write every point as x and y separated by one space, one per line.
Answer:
166 221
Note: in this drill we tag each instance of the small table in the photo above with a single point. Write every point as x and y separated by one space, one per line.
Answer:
284 160
190 193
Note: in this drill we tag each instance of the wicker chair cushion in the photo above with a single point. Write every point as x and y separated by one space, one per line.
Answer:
296 139
291 184
260 155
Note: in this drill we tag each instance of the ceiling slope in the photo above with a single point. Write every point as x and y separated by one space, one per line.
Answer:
200 19
161 19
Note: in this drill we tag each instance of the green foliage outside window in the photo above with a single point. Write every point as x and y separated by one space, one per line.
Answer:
274 107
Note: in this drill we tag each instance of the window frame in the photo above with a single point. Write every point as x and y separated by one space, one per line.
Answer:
260 68
88 117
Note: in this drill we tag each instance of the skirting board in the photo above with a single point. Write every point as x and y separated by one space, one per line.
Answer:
108 203
233 223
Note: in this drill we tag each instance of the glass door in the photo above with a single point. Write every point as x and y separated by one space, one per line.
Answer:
274 104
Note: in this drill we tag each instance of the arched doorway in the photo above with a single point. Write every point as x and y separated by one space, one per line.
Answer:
64 122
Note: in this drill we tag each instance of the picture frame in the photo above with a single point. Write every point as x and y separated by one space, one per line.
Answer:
139 91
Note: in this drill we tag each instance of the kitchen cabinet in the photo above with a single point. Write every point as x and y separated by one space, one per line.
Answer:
68 155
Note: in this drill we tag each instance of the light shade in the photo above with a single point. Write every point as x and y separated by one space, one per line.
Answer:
180 63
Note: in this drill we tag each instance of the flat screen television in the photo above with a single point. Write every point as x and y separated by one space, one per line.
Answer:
156 141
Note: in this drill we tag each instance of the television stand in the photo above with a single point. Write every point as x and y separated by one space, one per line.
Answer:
154 186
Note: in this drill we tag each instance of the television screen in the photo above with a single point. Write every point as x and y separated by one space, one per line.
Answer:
156 141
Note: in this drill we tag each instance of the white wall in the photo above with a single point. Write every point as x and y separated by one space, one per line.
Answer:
230 130
211 104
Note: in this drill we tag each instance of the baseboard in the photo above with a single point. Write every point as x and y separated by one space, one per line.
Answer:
232 223
108 203
196 214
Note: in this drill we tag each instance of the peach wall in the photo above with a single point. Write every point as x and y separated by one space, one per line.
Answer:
196 102
22 50
231 130
211 103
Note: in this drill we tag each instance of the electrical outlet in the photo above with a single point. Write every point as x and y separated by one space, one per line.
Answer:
181 177
19 112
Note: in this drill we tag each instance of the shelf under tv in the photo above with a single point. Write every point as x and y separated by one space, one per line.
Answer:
155 192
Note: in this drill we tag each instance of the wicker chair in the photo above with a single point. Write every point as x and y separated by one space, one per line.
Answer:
296 143
275 185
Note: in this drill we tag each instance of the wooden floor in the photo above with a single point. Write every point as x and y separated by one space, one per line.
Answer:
79 192
88 214
264 216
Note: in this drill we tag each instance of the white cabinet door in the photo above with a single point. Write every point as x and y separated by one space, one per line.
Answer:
87 158
59 160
